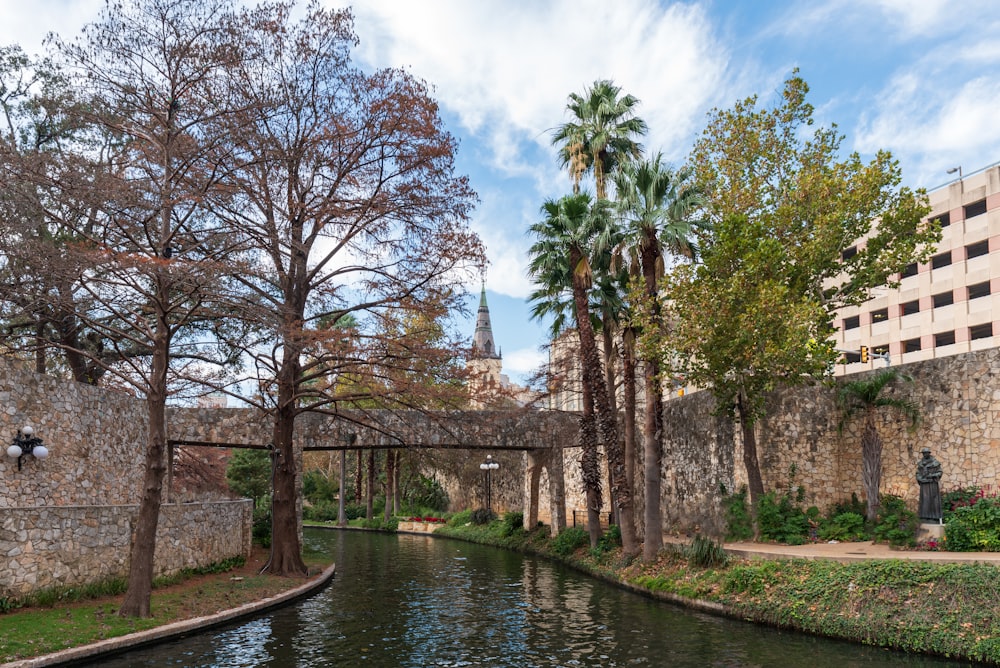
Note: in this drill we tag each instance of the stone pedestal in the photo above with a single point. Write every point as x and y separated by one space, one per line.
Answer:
930 531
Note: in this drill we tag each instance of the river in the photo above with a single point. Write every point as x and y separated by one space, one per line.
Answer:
416 601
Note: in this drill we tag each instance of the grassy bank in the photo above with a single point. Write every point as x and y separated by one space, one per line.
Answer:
61 619
950 610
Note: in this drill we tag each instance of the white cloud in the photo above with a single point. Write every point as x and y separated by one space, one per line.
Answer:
524 361
28 24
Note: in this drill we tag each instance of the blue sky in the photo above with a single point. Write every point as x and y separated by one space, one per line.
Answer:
920 78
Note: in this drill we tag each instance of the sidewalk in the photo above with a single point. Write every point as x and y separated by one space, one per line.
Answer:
846 552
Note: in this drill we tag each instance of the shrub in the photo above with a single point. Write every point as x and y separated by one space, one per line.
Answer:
321 512
512 523
896 524
429 494
739 523
569 540
975 527
846 526
960 498
355 511
610 539
705 553
261 530
855 505
481 516
781 520
461 518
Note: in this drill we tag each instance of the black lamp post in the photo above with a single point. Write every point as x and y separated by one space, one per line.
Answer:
26 443
488 467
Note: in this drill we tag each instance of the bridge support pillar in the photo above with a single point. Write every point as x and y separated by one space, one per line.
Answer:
550 460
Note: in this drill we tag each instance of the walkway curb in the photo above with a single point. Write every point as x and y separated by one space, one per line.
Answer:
175 629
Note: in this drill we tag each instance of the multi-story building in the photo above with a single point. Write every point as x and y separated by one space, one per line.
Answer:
946 306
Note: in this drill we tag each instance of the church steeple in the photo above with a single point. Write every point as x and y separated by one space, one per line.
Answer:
483 346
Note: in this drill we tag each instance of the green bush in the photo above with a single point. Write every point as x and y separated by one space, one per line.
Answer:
355 511
855 505
739 523
261 530
429 494
481 516
569 540
896 524
321 512
974 528
959 498
706 553
781 520
846 526
512 523
461 518
317 488
609 540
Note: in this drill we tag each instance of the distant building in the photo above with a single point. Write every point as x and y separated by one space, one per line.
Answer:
213 400
943 307
489 387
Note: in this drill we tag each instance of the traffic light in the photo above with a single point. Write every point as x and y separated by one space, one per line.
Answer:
864 354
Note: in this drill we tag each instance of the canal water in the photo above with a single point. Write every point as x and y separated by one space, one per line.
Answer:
417 601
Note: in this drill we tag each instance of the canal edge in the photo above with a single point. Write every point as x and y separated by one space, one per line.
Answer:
119 644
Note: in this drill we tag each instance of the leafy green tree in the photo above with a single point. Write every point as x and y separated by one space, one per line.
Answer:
560 261
656 205
249 473
602 134
868 396
757 312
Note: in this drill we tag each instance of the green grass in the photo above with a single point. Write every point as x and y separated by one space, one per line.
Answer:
65 618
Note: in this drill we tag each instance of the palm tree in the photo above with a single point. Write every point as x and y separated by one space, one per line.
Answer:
657 205
560 260
866 396
602 134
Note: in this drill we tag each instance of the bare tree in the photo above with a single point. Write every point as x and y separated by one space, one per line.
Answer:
345 195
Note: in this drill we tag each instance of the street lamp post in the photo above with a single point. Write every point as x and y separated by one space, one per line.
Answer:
488 467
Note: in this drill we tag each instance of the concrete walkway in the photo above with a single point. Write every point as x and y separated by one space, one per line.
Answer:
847 552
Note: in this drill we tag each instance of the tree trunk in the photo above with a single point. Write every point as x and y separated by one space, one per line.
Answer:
754 481
871 464
593 390
652 427
143 548
370 491
358 477
607 339
390 474
630 539
397 496
286 548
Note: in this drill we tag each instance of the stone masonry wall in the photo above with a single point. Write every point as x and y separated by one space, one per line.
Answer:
75 545
67 519
958 398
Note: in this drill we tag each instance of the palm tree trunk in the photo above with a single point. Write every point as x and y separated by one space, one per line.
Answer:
871 464
652 429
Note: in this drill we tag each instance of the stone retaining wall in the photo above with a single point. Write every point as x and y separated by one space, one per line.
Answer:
60 546
958 398
67 520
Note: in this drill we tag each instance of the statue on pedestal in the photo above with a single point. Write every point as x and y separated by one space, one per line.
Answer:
928 475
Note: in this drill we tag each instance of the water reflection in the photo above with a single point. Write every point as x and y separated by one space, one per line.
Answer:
416 601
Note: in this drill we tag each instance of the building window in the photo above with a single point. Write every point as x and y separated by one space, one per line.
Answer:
880 350
977 249
853 322
979 290
909 270
852 358
909 308
848 253
941 260
981 331
943 218
975 209
944 299
881 315
944 339
911 346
